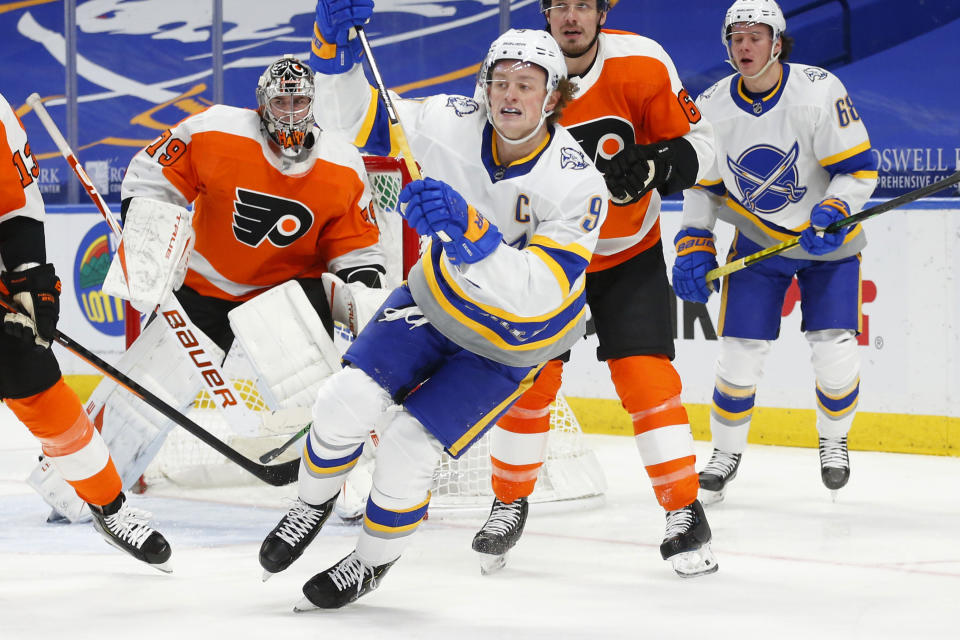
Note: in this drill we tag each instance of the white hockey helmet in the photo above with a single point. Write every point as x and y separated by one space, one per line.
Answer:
291 130
524 45
754 12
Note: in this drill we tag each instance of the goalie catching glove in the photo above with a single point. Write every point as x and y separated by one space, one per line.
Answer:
36 290
696 255
335 45
435 208
813 240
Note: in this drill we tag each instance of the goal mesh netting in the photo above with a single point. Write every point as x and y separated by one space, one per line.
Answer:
570 472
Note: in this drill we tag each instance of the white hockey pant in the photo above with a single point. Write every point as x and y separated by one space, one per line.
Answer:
348 403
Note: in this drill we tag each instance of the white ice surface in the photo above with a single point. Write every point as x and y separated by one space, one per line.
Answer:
881 562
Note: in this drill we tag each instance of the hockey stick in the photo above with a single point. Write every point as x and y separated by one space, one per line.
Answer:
899 201
398 134
273 453
276 475
177 319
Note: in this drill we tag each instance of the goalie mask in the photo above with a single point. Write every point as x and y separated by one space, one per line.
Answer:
285 99
525 46
754 12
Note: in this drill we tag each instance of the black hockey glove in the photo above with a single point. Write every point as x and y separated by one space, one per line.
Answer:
37 292
667 166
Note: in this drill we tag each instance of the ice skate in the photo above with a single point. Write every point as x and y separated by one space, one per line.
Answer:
834 464
128 529
686 542
499 533
295 531
720 470
341 584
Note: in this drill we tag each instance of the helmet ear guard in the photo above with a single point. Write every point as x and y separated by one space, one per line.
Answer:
287 77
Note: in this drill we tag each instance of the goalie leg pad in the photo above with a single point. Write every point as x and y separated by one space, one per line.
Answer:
836 363
286 344
406 459
132 431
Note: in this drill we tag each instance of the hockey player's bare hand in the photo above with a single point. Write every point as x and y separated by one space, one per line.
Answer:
36 291
637 170
696 256
813 239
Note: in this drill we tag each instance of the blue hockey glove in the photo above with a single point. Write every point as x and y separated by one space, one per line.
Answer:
696 255
823 215
434 207
334 51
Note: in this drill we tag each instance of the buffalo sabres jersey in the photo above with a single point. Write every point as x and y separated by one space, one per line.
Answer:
780 154
632 94
524 303
19 192
258 222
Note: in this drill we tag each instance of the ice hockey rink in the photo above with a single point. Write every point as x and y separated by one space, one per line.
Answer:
881 562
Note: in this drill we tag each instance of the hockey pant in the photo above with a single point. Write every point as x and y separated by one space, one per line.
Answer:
649 389
348 402
70 442
836 365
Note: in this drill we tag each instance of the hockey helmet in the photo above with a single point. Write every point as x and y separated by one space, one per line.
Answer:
288 121
529 46
754 12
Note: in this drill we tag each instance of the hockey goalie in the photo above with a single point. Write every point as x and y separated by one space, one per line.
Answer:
279 209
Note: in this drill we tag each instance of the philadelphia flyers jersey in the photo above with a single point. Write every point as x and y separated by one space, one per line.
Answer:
632 94
19 193
780 154
258 222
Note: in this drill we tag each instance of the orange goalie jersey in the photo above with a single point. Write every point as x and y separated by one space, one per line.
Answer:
259 220
637 99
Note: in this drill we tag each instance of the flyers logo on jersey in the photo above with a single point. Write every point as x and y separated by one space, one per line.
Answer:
603 138
261 216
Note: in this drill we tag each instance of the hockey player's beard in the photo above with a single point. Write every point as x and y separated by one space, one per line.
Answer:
574 53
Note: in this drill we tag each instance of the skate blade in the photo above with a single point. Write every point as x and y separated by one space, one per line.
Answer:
304 605
266 575
165 567
834 494
691 564
711 497
490 563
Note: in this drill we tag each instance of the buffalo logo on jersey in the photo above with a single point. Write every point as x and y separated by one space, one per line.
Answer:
462 106
814 73
767 177
603 138
258 216
571 158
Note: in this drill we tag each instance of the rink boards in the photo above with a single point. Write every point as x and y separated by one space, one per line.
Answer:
910 348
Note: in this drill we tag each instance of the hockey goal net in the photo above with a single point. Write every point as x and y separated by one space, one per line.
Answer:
570 472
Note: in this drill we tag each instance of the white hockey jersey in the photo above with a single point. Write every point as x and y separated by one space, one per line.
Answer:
525 303
781 154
